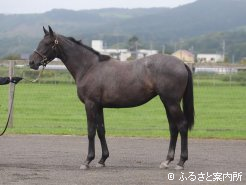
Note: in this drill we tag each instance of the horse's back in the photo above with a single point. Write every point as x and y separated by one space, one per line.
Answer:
164 63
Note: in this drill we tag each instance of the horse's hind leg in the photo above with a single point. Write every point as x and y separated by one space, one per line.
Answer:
183 129
177 123
91 113
101 135
172 145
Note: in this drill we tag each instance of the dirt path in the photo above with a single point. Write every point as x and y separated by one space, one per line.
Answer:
52 160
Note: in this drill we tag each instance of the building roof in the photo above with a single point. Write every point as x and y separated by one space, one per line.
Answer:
185 52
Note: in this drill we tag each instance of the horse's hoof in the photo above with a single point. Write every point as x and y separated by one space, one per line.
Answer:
164 164
179 167
84 167
99 165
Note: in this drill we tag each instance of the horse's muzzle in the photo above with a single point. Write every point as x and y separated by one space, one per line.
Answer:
33 65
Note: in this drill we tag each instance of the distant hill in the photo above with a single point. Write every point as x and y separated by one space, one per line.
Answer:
20 33
234 43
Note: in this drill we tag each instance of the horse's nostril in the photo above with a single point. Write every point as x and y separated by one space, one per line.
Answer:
31 62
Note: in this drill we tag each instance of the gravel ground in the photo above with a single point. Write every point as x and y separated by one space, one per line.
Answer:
46 160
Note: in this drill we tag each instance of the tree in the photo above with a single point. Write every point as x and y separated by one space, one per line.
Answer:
12 57
133 43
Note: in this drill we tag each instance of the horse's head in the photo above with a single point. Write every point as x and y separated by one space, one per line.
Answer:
46 51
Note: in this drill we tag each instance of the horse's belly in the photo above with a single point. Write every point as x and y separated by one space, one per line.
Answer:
126 99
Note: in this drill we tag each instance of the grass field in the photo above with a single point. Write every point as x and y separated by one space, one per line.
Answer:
55 109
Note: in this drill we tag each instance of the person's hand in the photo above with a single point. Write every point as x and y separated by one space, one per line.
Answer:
15 80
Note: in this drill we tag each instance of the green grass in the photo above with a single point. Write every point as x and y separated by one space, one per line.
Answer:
55 109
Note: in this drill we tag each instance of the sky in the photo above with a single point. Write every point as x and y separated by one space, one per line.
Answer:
40 6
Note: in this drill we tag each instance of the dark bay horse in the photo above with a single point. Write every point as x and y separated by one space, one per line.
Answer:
103 82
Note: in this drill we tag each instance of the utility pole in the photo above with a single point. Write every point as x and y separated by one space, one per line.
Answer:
223 50
163 49
151 45
233 59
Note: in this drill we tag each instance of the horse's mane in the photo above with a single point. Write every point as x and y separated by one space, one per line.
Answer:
100 56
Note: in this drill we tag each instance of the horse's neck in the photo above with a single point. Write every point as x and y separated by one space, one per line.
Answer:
78 61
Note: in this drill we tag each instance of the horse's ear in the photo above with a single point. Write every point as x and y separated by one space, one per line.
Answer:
45 31
51 32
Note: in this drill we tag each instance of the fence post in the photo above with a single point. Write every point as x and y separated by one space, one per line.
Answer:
11 89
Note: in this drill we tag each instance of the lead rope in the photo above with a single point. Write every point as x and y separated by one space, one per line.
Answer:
44 62
13 94
10 111
35 80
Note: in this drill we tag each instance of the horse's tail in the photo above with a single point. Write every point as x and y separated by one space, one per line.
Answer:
188 100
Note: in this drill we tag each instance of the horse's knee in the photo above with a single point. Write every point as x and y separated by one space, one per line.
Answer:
101 134
91 134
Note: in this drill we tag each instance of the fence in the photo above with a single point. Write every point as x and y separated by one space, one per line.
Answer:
215 75
51 106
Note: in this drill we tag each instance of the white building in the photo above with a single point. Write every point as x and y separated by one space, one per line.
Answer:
120 54
210 58
97 45
145 52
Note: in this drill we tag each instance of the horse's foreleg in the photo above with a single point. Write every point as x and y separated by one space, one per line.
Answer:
91 113
101 135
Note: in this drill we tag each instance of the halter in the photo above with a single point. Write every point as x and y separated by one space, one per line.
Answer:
45 60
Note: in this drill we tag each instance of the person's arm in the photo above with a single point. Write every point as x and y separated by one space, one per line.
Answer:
7 80
4 80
